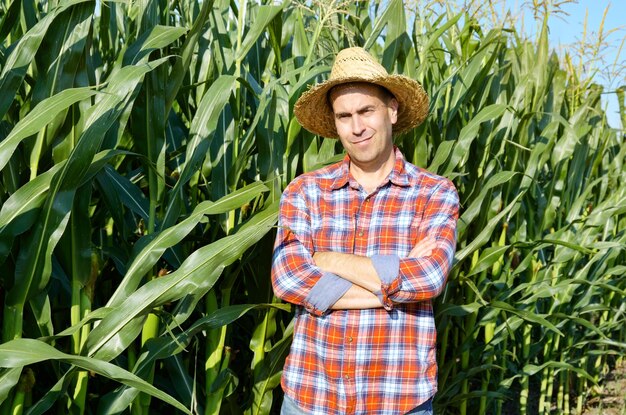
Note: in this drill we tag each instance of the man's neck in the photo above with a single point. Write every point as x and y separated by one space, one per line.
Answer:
370 177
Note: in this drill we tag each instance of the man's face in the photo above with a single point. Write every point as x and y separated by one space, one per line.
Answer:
364 116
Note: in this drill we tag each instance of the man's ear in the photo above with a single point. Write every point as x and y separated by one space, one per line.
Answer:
393 110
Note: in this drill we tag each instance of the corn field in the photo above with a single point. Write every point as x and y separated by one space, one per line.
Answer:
143 149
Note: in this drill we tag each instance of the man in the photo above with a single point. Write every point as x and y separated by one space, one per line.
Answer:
363 247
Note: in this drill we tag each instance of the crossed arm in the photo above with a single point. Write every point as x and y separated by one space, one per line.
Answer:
360 271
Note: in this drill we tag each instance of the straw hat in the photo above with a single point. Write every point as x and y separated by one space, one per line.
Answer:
313 109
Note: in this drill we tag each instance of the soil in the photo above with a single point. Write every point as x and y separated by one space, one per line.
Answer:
611 399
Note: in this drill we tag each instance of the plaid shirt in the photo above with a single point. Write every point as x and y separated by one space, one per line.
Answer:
373 361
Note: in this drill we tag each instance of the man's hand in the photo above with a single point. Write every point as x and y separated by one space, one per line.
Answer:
424 247
357 298
354 268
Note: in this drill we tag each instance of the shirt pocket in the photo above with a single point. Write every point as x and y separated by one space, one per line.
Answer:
334 232
396 232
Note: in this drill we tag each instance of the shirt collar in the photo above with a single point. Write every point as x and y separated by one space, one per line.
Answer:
398 175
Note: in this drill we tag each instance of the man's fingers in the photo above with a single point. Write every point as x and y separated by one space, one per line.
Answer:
424 247
420 252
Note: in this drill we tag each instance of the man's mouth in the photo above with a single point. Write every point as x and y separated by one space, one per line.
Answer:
361 140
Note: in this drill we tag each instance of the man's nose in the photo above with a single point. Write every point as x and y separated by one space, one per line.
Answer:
357 125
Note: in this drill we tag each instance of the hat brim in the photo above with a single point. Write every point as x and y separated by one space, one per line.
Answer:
316 115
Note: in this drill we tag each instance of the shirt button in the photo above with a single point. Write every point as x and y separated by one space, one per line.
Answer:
360 233
346 377
349 339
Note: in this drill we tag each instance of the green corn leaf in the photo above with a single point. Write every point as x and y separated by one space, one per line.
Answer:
474 209
198 273
526 315
443 153
10 18
268 377
20 211
389 17
17 63
156 38
8 379
301 42
74 250
39 117
60 57
487 258
470 132
471 396
155 244
392 20
129 194
164 347
564 148
200 135
43 405
93 316
470 76
531 369
263 18
458 310
430 44
23 352
205 122
189 49
182 382
485 234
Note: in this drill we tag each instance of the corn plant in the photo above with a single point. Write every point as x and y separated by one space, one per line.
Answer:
143 149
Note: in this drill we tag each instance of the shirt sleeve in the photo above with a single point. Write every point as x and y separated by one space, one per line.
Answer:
326 292
417 279
295 277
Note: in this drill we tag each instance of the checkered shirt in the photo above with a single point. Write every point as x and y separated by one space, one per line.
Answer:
373 361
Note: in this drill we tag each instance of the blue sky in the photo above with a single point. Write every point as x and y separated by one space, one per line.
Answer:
566 30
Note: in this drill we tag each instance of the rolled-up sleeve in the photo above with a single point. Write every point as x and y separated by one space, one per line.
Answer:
295 277
423 278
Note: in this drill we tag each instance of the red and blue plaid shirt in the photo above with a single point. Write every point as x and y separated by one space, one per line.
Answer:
373 361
